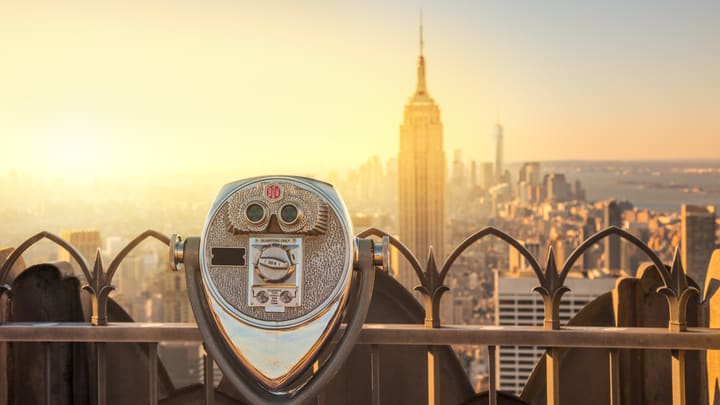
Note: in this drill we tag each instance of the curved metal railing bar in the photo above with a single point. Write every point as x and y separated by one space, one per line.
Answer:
487 231
98 281
552 282
5 269
410 256
117 260
607 232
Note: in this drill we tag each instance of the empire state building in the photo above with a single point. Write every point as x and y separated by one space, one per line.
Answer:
421 175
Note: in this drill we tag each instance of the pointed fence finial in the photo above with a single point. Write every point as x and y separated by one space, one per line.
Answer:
99 289
678 293
432 289
551 289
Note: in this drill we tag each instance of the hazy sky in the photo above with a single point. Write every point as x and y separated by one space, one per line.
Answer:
301 86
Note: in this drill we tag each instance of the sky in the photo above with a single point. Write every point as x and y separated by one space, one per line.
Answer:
90 88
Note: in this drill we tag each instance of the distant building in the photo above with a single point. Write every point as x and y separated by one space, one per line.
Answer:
473 173
630 256
370 176
698 239
591 257
87 242
612 216
563 244
517 262
516 304
457 176
528 182
421 176
498 142
578 192
174 302
487 175
557 187
530 173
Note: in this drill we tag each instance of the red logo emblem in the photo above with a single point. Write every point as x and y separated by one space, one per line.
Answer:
273 191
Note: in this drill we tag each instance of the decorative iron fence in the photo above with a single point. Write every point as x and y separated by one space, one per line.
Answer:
677 337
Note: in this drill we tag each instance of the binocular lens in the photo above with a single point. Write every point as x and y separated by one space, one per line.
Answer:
289 213
255 212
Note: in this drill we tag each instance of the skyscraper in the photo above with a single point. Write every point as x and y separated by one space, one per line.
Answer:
557 187
612 216
487 175
421 176
457 177
698 239
87 242
498 143
530 173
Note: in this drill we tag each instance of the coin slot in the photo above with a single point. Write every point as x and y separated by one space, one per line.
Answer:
228 257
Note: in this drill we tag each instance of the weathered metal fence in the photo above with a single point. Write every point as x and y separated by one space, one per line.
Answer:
677 337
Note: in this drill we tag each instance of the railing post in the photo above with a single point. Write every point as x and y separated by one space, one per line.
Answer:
209 382
48 373
492 383
551 289
152 369
101 373
432 289
678 377
375 374
614 377
433 375
678 293
552 362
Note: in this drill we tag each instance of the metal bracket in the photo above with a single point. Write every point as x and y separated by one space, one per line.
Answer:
177 253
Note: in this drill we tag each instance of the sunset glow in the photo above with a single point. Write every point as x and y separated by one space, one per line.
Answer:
136 87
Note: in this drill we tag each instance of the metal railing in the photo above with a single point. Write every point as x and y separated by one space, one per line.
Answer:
677 337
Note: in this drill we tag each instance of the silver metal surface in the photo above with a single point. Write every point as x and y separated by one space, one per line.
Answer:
275 288
274 353
275 269
325 231
177 252
381 254
246 379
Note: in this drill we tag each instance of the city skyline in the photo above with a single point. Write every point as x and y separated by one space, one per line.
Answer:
214 89
556 158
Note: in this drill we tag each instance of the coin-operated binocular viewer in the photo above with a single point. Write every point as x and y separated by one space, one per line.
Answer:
272 277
